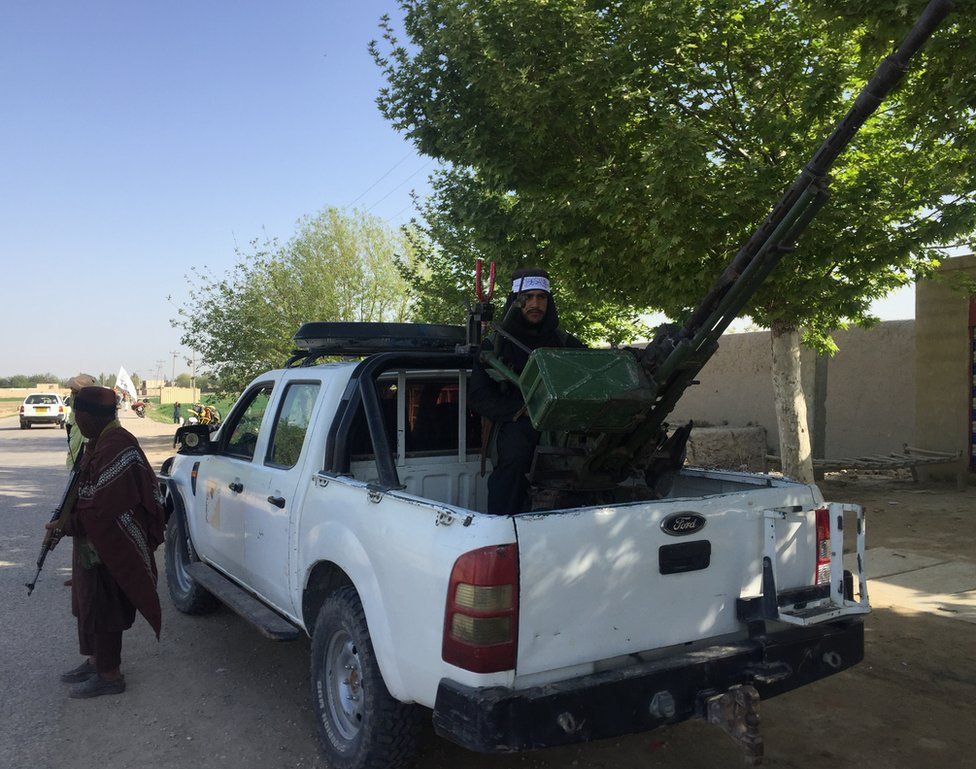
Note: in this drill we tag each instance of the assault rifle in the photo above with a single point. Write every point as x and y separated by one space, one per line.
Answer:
605 410
60 514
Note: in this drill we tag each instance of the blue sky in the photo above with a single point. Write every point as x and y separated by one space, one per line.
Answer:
141 139
138 140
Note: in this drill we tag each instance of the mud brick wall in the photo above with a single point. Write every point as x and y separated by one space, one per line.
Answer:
861 401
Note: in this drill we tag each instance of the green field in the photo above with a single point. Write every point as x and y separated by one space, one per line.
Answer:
164 412
10 406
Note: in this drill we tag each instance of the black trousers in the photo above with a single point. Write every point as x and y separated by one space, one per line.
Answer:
508 488
105 647
103 611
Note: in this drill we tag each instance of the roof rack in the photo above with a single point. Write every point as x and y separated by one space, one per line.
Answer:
320 340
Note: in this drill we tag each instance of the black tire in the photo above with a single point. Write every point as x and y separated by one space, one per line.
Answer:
24 425
377 731
185 593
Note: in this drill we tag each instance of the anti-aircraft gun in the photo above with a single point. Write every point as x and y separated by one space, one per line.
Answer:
603 412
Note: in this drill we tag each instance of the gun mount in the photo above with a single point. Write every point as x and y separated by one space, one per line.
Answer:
604 411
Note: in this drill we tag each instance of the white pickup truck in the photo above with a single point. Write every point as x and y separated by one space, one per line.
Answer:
345 500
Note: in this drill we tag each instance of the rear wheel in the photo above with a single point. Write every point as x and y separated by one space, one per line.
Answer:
24 424
185 592
360 725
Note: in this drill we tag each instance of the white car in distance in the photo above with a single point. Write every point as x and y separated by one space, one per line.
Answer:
43 408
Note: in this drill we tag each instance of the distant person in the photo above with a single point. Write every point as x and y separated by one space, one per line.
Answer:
116 523
75 439
176 413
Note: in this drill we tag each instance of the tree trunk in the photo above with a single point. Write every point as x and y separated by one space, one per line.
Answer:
791 407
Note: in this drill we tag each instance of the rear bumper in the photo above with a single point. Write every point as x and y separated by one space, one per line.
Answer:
498 720
42 419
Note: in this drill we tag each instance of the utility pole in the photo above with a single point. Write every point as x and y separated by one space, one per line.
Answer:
160 362
159 369
192 363
174 353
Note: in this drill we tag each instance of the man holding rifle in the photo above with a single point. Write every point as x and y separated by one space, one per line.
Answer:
116 523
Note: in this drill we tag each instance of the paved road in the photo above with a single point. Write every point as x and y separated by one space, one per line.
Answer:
213 693
31 473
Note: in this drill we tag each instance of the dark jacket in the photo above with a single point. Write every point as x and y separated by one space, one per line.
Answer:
501 401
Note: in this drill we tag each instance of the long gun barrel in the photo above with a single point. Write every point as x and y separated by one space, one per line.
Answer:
50 538
673 360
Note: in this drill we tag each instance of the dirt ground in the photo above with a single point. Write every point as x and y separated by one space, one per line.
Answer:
213 693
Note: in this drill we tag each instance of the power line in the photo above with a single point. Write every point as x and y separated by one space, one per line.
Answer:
401 211
387 173
400 185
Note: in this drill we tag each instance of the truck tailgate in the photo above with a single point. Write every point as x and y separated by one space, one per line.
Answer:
591 581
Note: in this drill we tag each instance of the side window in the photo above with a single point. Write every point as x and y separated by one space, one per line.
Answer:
243 434
292 424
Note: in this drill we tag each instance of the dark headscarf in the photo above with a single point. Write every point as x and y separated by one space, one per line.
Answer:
99 401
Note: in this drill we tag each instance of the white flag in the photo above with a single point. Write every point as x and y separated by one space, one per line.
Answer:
124 382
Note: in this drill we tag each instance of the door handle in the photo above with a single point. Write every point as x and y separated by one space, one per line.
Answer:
277 501
236 486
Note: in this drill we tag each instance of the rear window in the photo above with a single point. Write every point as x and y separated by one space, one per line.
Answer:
430 420
42 400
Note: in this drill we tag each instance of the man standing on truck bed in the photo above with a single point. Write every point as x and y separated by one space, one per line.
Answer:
530 317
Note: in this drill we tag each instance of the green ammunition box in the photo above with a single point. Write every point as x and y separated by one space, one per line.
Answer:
584 390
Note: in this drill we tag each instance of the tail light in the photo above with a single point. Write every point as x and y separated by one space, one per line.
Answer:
60 409
21 409
821 575
481 616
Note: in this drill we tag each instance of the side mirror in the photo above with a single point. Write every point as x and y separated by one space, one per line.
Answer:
193 439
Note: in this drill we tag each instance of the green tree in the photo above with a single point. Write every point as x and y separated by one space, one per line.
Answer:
632 147
183 380
337 267
28 380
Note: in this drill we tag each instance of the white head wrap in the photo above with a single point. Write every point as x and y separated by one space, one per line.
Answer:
530 283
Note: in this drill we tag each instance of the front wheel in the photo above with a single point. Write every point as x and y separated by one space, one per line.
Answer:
360 725
187 595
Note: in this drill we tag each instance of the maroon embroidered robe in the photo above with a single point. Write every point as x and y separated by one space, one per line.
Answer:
119 513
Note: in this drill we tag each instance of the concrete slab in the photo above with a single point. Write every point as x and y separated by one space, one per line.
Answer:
953 577
921 583
883 562
961 606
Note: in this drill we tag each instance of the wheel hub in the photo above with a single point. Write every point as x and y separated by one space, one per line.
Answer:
344 684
